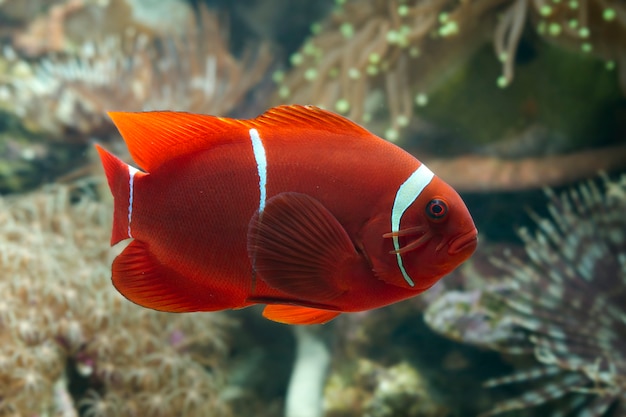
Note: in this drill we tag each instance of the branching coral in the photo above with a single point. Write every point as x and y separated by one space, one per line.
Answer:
62 324
564 307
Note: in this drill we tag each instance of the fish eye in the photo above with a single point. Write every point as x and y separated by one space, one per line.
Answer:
436 209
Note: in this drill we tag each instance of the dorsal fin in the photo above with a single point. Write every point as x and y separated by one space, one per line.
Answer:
309 117
156 136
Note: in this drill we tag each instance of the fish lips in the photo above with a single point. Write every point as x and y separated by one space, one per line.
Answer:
466 242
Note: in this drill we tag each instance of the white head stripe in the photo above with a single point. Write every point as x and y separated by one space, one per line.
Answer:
405 196
131 189
261 166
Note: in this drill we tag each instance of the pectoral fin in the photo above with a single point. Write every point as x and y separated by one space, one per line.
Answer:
298 247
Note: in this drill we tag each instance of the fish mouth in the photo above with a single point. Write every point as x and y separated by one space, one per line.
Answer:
463 242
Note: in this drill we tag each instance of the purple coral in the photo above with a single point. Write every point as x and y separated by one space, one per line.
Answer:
564 307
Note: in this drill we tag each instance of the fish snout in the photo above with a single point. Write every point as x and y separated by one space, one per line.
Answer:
464 243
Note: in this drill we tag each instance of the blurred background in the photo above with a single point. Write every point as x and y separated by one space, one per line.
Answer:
518 104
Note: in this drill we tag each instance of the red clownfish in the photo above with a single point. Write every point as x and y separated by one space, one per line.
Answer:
300 209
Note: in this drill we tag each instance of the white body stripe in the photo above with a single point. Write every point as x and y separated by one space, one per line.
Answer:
405 196
261 166
131 189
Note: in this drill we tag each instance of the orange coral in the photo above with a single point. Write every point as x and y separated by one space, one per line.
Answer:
47 33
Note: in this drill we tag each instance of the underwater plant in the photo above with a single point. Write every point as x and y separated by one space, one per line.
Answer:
69 342
561 311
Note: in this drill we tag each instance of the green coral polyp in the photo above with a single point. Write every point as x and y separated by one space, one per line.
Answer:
310 74
342 106
347 30
609 14
448 29
554 29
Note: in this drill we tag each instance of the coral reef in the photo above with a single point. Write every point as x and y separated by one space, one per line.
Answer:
492 173
69 93
69 342
377 391
38 28
559 311
367 55
595 27
378 54
60 98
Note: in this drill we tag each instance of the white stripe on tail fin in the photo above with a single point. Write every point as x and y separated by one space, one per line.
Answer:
122 179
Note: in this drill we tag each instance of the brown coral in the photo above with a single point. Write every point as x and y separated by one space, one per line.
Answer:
62 324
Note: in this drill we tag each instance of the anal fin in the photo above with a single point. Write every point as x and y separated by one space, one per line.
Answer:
141 278
289 314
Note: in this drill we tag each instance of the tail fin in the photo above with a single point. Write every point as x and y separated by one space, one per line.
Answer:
121 178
